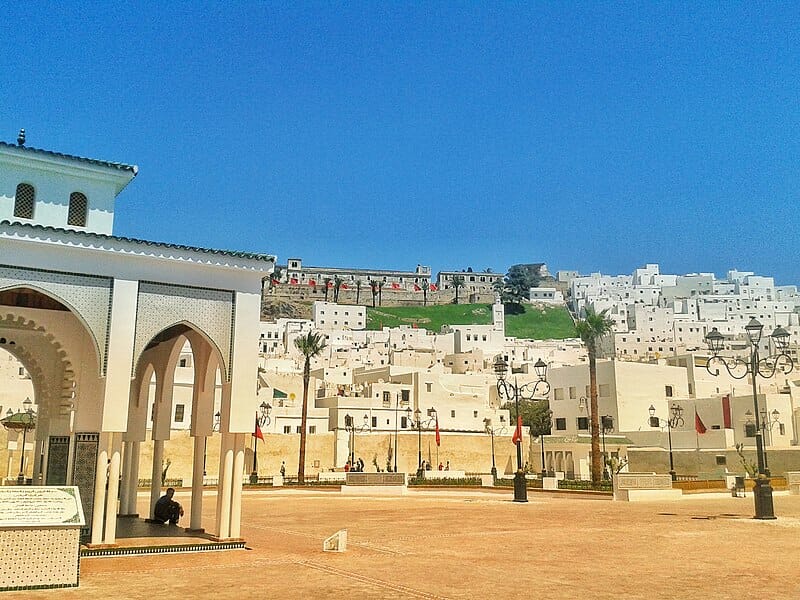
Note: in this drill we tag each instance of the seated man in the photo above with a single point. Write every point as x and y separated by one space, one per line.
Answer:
167 509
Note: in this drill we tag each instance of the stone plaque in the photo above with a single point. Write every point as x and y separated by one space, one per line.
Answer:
40 506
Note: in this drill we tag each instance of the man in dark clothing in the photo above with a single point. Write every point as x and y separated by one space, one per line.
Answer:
167 509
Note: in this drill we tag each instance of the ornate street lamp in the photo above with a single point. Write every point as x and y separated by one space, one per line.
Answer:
526 392
675 420
262 418
492 431
418 423
352 429
777 362
24 420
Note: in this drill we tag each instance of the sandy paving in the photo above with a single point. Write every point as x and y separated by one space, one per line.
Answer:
473 545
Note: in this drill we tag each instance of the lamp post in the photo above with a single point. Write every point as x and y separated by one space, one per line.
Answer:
24 420
675 420
396 412
492 431
418 423
606 426
214 427
778 362
351 428
547 424
768 421
262 418
512 391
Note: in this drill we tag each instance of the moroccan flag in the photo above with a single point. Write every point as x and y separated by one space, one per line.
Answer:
698 423
275 282
726 411
257 431
312 282
438 437
344 286
293 281
330 284
395 286
417 288
433 288
517 438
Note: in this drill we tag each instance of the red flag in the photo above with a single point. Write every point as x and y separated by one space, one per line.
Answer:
330 284
432 287
395 286
517 437
438 437
417 288
293 281
344 286
257 431
726 411
312 282
698 423
275 282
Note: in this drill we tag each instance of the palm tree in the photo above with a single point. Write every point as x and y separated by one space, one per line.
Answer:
358 290
458 282
337 285
425 287
327 283
591 329
373 286
310 346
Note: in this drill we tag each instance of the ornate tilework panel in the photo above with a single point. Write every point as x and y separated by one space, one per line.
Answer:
160 306
38 558
88 295
57 455
83 473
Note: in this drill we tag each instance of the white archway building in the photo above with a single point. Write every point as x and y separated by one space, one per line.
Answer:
92 317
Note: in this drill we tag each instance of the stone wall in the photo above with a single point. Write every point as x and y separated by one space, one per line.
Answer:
704 462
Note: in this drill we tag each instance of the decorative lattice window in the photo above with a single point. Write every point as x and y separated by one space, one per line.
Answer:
24 201
77 210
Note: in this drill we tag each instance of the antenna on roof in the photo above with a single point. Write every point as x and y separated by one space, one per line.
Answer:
21 138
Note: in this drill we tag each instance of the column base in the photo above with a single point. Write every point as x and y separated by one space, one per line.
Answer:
215 538
101 546
190 530
520 487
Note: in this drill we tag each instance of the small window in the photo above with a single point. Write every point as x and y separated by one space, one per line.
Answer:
312 429
558 394
452 414
668 391
179 410
604 390
583 423
561 424
298 429
387 397
405 395
182 362
475 414
573 393
781 429
403 422
77 210
24 201
428 387
287 429
374 422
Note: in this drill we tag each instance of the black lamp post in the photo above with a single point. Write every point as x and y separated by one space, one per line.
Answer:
262 418
512 391
768 421
492 431
547 424
675 420
352 429
767 367
214 427
418 423
606 426
24 420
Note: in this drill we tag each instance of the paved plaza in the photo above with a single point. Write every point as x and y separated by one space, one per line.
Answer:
442 544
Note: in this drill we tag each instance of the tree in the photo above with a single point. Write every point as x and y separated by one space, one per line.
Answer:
515 286
458 282
535 415
425 287
358 290
373 286
310 346
337 285
327 283
591 329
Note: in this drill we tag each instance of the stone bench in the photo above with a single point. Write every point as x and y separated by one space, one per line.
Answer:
636 487
793 481
375 484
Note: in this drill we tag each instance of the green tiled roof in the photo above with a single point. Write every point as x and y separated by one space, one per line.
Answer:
92 161
112 238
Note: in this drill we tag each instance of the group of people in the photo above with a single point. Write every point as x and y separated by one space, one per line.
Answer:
356 467
426 465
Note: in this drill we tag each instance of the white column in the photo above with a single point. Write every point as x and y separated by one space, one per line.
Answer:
134 448
113 490
125 482
236 485
100 479
155 483
196 520
224 486
38 463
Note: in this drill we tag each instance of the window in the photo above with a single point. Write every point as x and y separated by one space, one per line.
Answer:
668 391
312 429
374 422
604 390
287 429
24 200
428 387
298 429
607 422
781 429
179 410
475 414
387 397
405 396
77 210
573 393
750 430
182 362
558 394
561 424
452 414
583 423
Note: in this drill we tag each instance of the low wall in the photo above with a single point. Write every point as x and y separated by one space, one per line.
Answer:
633 487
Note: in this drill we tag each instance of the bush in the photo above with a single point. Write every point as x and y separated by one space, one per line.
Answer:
462 482
579 484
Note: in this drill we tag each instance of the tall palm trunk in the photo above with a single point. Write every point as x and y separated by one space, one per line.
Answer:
597 467
301 467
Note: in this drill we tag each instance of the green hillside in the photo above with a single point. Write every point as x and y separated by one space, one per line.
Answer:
537 322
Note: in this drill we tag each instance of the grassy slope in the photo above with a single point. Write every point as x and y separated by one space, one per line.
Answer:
536 323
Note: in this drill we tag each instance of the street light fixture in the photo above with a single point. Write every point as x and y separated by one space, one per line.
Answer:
606 426
262 419
418 423
492 431
24 420
214 427
767 367
675 420
526 392
352 429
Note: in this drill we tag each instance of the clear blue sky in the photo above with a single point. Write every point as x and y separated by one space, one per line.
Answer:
590 136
